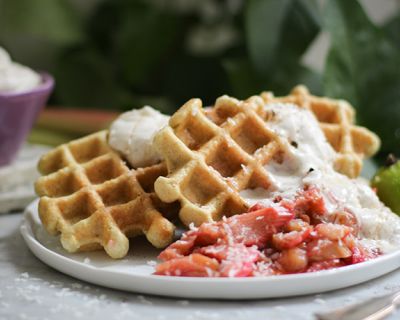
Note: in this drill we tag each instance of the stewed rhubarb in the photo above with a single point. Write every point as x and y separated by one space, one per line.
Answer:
289 237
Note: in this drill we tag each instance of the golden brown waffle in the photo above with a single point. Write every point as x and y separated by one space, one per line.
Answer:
212 157
336 117
94 200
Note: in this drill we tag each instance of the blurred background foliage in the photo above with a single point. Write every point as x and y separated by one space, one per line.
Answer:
120 54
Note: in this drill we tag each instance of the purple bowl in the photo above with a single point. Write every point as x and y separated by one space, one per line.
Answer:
18 112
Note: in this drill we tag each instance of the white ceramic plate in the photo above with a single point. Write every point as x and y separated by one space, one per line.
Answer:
134 273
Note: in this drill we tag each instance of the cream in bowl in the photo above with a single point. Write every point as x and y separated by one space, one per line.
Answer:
23 93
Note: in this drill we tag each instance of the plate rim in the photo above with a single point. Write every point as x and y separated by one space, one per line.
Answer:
54 259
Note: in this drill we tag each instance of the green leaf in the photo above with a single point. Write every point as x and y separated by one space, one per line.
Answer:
144 42
243 79
188 76
392 29
302 25
86 79
264 23
55 20
363 67
279 32
245 82
281 83
338 76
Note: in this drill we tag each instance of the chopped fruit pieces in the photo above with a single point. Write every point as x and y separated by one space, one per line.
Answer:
293 260
238 260
290 237
194 265
361 254
256 227
253 228
332 231
345 218
310 203
325 249
179 248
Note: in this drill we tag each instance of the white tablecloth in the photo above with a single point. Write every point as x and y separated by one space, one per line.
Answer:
16 179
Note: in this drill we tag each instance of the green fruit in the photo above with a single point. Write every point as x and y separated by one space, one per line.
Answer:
387 183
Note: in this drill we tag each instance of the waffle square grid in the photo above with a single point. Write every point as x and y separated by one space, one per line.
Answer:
211 156
95 200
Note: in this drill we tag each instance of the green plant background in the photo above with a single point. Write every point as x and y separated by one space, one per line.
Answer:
120 54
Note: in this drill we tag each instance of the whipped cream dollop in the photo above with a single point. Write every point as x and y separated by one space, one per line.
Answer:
14 77
308 161
132 135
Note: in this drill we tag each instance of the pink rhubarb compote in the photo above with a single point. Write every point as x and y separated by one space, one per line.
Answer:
289 237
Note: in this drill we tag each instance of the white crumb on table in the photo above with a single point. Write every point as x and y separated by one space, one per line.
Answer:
320 301
151 263
183 302
143 300
76 285
86 260
279 308
16 186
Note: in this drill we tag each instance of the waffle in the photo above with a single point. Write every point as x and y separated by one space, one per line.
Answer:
336 117
94 200
211 156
